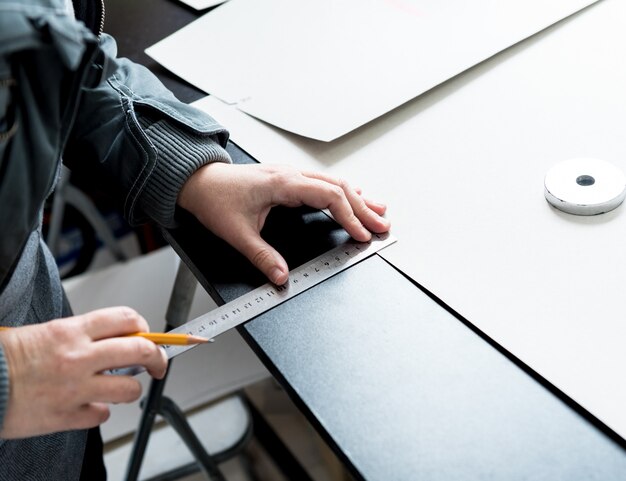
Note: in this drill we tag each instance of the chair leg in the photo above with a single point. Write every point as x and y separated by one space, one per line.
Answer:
176 418
155 403
149 412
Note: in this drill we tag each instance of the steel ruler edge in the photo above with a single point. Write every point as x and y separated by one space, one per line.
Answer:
260 300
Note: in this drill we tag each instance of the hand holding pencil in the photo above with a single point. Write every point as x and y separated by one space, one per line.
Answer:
57 369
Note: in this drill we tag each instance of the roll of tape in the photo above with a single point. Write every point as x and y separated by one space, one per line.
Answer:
585 186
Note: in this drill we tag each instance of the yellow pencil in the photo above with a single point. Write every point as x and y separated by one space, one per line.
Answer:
171 339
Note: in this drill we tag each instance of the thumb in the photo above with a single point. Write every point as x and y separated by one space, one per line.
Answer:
262 255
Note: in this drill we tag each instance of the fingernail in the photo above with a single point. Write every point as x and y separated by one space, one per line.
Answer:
277 275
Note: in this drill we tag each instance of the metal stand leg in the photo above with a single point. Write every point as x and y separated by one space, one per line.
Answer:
172 413
156 403
150 407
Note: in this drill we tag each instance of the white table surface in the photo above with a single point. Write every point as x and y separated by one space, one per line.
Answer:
462 169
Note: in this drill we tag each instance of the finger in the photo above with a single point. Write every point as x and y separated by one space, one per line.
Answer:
87 416
164 361
325 195
368 217
113 322
106 388
261 254
114 353
377 207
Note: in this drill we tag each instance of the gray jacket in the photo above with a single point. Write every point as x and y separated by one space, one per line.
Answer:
63 93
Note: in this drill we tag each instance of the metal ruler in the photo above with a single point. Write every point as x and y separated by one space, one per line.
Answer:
268 296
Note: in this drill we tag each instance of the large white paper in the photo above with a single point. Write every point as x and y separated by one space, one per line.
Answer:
462 170
323 68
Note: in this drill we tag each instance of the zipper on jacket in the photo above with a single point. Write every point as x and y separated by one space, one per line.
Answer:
102 14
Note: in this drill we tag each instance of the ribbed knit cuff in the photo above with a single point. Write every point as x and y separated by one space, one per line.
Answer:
4 386
180 154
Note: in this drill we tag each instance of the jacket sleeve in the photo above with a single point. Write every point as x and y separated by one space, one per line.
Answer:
133 132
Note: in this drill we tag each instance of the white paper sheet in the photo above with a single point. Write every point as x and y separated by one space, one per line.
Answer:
323 68
462 170
202 4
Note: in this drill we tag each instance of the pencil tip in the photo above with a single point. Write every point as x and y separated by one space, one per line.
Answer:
197 340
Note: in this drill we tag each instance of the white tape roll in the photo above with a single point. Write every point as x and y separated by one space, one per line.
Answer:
585 186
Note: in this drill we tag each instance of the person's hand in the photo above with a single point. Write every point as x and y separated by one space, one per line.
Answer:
233 202
56 370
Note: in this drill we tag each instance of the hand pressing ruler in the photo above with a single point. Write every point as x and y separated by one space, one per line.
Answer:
268 296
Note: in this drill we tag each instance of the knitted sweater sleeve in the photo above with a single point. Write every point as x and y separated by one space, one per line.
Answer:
133 134
4 386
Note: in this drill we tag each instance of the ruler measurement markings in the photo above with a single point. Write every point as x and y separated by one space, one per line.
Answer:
268 296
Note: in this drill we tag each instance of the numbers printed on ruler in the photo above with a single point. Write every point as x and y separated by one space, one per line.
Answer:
268 296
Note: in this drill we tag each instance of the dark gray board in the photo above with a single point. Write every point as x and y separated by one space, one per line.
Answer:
408 392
